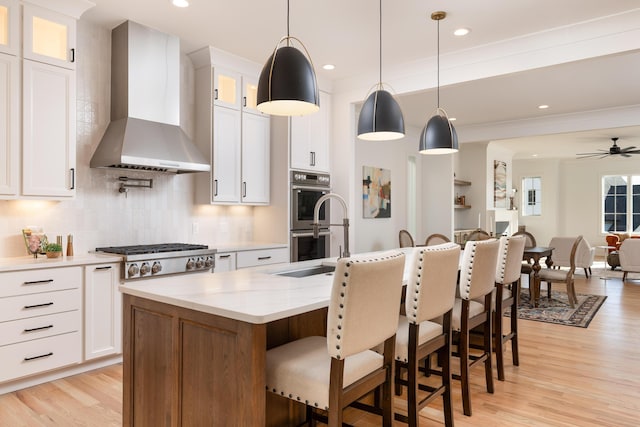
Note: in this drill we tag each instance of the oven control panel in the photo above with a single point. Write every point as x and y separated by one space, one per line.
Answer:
307 178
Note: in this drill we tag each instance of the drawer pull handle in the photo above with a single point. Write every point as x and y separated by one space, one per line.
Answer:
26 359
103 268
262 258
224 256
38 282
39 329
38 305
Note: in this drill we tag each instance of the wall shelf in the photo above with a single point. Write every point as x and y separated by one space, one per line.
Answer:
462 206
461 182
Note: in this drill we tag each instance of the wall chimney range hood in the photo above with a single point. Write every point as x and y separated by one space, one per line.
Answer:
144 133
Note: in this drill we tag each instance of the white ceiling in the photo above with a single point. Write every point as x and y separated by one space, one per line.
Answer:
345 33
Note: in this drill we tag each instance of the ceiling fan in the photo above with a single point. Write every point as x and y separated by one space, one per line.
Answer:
614 149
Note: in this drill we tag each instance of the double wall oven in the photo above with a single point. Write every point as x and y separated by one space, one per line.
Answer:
306 189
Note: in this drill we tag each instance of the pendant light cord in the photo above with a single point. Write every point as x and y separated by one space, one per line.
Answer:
438 65
380 43
288 35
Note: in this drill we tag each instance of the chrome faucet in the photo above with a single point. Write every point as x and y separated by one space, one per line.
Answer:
345 220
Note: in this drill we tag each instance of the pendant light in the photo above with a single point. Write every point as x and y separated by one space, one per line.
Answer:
381 117
287 84
438 136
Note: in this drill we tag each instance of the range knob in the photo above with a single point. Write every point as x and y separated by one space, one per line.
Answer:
208 262
156 268
132 270
190 264
144 269
199 263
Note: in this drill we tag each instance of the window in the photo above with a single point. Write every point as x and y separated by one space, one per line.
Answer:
621 203
531 196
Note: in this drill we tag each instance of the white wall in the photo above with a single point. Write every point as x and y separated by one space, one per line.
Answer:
571 195
471 165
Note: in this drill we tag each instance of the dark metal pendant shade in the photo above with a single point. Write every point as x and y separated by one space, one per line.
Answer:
287 84
438 136
380 118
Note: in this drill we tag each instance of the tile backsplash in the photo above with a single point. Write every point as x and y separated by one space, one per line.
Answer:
101 216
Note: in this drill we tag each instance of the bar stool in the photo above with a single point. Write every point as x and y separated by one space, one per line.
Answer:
330 373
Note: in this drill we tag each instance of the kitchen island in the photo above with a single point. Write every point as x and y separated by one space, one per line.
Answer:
195 345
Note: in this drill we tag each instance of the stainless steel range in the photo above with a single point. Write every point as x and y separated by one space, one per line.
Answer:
143 261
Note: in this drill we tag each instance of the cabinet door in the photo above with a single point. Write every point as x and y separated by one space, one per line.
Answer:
255 159
9 26
250 95
102 311
226 88
49 37
9 122
226 155
48 120
225 262
309 138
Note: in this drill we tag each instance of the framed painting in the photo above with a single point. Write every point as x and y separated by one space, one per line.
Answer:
376 192
499 184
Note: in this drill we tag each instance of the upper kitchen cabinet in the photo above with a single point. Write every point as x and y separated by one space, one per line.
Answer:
9 25
48 130
309 138
230 130
9 125
38 93
49 37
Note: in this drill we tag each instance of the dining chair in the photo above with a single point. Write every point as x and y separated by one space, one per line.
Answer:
550 275
436 239
478 235
430 294
473 308
329 373
507 295
629 254
405 238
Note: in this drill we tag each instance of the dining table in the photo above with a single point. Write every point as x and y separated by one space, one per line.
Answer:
534 254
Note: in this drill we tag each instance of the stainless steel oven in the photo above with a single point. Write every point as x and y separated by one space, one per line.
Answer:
306 189
305 247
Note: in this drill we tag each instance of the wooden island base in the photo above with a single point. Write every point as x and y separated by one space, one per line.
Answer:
183 367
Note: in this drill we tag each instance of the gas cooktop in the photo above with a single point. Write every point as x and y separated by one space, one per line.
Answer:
151 249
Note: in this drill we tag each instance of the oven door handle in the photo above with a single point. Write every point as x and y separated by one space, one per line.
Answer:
309 234
307 187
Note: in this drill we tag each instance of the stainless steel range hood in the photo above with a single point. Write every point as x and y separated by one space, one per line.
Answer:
145 133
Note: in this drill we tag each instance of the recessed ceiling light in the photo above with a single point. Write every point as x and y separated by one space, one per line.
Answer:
461 32
452 119
329 66
180 3
543 106
534 155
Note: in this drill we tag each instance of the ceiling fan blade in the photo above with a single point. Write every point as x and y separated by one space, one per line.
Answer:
625 155
588 155
627 149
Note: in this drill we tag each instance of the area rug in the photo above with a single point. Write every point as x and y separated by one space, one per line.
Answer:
557 309
599 272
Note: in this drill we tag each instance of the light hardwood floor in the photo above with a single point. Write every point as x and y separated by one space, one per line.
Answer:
567 377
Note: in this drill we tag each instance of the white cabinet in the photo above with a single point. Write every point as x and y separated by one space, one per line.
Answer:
40 320
9 26
9 123
45 96
225 261
310 138
103 311
48 130
256 257
49 37
231 131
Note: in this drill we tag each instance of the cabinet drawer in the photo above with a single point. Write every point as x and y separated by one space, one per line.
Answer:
24 306
39 327
262 257
36 356
44 280
225 262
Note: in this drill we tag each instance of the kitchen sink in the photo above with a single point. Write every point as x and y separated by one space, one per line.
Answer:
310 271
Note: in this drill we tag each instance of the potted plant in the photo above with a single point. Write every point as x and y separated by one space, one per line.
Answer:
53 250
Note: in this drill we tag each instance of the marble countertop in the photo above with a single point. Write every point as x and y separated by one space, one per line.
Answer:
254 295
31 263
247 246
